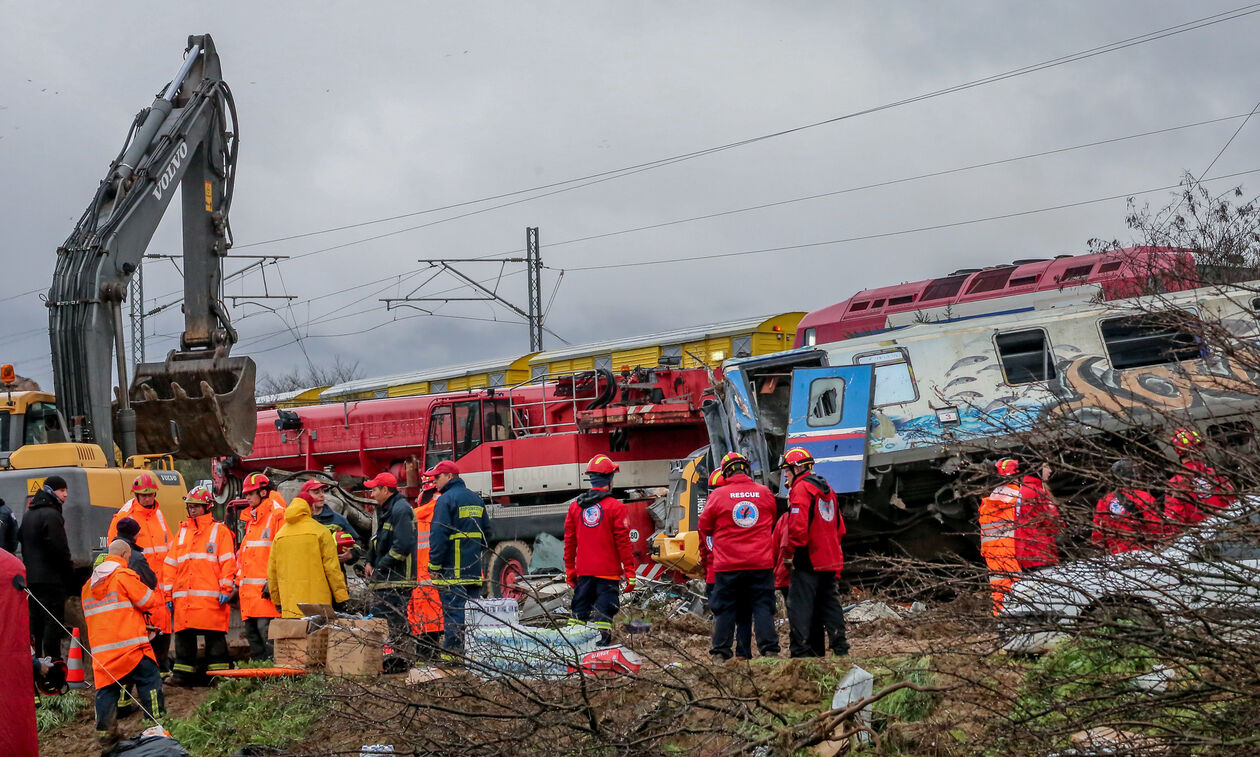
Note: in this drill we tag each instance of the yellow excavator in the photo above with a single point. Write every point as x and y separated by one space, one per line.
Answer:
199 402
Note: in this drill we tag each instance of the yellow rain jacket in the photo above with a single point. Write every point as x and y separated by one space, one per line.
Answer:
303 567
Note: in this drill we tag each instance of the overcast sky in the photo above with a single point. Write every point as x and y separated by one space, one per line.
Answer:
356 112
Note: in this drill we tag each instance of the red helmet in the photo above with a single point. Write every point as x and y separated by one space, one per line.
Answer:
716 479
145 483
1185 439
1007 466
602 465
427 482
344 541
254 482
733 461
200 495
796 456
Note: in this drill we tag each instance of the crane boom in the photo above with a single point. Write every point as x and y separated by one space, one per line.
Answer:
199 402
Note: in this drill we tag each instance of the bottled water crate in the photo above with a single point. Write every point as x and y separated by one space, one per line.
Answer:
492 613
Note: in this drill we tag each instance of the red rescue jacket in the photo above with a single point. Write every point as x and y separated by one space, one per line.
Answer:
738 519
1126 520
597 537
1194 494
1036 524
815 526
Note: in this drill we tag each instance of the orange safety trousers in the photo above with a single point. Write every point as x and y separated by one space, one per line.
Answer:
997 542
261 527
155 539
424 611
200 566
114 603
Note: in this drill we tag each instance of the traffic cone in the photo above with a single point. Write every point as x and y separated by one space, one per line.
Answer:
74 665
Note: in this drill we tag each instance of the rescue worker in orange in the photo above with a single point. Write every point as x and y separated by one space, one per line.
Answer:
115 601
997 533
263 519
1127 518
1037 519
424 611
154 540
811 551
199 576
303 567
597 551
1197 490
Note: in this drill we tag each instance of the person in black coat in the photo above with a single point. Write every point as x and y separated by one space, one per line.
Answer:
8 529
49 569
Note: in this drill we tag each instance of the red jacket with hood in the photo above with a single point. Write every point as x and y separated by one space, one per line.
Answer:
815 526
738 519
597 537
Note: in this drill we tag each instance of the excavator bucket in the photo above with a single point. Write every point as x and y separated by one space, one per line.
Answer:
210 400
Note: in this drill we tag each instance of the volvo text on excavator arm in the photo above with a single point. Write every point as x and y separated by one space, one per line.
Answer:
199 402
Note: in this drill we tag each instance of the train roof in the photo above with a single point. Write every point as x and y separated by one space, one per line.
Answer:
666 338
353 389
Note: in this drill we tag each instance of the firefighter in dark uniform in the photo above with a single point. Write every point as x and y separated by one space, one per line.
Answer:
813 555
597 551
391 563
459 534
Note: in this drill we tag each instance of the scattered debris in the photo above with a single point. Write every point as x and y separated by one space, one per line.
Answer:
857 684
548 555
609 662
636 627
1156 679
1037 642
525 652
417 676
488 613
371 749
865 612
1110 741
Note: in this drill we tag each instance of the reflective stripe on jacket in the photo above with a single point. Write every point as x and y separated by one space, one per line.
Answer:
200 566
261 527
393 550
114 602
461 530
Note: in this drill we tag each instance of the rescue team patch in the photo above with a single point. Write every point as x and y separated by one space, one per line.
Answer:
745 514
827 510
1116 507
592 515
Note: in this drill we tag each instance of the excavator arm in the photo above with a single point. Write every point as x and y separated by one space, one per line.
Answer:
199 402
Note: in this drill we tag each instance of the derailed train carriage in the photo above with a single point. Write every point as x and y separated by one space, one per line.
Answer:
893 418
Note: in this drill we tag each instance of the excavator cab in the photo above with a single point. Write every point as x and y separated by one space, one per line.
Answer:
195 406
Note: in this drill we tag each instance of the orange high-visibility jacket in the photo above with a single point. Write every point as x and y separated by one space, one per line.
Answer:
200 566
261 527
154 537
997 540
114 602
424 611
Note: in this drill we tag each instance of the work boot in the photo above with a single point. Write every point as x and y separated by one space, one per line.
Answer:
107 740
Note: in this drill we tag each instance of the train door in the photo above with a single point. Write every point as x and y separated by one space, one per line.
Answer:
829 412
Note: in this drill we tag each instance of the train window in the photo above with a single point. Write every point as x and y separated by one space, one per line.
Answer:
1023 281
498 421
440 445
437 387
1026 356
859 306
1111 267
603 363
537 371
4 432
1134 341
826 401
990 281
467 427
498 378
1077 272
905 299
894 378
741 346
877 304
942 288
810 338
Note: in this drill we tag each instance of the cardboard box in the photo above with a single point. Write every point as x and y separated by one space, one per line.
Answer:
356 647
297 643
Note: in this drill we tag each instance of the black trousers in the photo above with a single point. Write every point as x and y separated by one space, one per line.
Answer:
390 603
743 630
260 647
815 613
148 682
191 670
595 602
46 621
742 598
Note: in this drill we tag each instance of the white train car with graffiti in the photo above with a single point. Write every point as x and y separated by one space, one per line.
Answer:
889 417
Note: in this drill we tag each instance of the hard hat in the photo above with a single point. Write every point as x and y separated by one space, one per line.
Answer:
254 482
427 482
145 483
1184 439
344 541
733 461
796 456
602 465
1007 466
201 496
716 479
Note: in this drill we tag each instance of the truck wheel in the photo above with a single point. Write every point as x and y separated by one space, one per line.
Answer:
509 562
231 490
